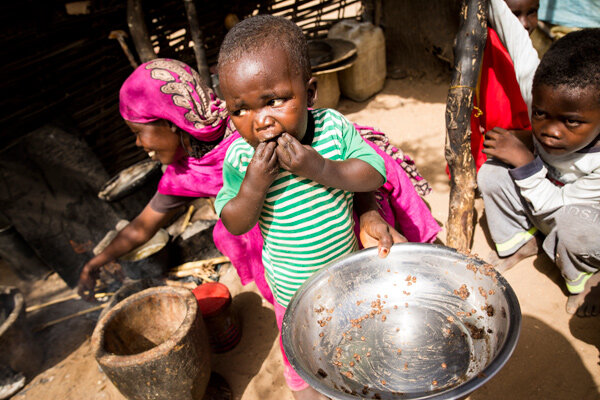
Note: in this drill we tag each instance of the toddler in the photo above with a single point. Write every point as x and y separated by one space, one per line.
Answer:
294 170
548 194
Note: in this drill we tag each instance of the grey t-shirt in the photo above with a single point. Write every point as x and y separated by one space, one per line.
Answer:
164 203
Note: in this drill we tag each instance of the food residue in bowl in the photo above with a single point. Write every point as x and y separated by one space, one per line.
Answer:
489 309
476 332
483 292
377 307
462 292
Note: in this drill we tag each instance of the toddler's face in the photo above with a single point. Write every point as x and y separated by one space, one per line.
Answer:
565 120
266 97
526 11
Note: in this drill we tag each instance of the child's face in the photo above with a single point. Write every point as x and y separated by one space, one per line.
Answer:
565 120
526 11
266 97
158 138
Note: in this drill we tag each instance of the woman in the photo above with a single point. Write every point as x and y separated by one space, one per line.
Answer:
178 121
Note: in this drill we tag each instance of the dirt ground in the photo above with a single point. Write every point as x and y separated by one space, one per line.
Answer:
557 356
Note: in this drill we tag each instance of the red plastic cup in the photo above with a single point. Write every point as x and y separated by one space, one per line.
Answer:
224 328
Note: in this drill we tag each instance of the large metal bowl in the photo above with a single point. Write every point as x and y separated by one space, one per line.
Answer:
403 327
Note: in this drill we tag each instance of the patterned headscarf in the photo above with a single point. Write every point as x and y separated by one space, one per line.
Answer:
171 90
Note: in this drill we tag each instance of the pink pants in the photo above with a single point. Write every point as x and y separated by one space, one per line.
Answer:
292 379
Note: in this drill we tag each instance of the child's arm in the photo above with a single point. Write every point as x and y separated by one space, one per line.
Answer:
241 213
542 193
352 175
511 147
545 195
360 168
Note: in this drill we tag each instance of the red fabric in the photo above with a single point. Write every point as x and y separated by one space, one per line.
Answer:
499 97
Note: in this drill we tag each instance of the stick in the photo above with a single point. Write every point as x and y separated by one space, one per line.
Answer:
73 296
186 220
200 273
200 263
67 317
120 36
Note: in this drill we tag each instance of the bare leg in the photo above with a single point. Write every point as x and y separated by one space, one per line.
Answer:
586 303
503 264
309 394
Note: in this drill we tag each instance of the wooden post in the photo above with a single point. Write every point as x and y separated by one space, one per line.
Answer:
196 34
139 31
377 14
468 52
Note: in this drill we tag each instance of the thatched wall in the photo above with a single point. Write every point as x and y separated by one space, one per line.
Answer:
60 66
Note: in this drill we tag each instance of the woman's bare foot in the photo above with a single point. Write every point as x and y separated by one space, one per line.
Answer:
503 264
309 394
586 303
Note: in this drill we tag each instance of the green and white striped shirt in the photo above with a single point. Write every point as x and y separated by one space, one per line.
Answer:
304 224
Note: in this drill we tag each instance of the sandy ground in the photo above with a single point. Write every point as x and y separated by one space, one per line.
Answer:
557 356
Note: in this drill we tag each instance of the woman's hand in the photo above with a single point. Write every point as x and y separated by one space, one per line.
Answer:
506 147
136 233
90 273
374 231
87 282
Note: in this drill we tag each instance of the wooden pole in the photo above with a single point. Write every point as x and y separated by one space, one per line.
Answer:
196 34
368 14
139 31
120 36
468 52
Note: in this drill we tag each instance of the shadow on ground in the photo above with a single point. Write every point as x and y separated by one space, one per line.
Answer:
541 261
546 266
259 330
543 366
586 329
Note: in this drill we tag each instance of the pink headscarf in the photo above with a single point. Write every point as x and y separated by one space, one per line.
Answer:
171 90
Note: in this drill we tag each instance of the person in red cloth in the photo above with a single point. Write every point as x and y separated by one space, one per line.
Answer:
498 102
504 87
